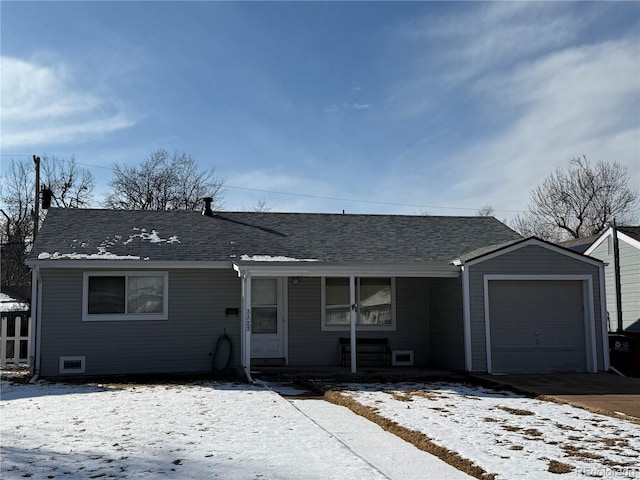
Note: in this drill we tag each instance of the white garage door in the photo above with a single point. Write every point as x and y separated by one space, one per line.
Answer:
536 326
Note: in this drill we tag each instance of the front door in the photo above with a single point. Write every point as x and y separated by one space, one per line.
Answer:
266 318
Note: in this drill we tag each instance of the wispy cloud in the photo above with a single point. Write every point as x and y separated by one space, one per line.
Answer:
576 101
347 106
550 89
42 105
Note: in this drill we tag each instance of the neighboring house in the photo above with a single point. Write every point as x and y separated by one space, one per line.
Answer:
629 246
122 292
14 326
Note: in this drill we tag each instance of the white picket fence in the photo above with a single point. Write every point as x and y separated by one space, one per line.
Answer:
15 341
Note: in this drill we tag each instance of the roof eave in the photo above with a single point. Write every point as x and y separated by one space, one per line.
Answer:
323 269
527 242
128 264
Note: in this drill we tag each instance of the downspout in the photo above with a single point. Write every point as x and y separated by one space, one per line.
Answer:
354 315
35 327
246 326
466 317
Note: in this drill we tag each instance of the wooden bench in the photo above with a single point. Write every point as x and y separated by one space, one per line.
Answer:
376 347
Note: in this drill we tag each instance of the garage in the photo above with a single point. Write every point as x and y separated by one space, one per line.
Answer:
533 307
536 326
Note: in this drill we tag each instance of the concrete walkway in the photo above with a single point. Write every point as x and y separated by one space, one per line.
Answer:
390 455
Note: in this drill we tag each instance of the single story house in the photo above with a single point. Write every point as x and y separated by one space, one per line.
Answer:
123 292
602 248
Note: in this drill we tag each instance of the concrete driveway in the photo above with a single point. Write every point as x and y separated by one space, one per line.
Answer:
605 392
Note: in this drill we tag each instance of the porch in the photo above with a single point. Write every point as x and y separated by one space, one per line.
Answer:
301 373
417 325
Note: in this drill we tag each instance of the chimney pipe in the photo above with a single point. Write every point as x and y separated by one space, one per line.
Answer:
207 207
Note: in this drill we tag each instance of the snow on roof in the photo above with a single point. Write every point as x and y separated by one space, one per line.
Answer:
152 237
269 258
10 304
101 255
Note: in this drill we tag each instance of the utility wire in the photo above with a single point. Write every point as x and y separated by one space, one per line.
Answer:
319 197
359 201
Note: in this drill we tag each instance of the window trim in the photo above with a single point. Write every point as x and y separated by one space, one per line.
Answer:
359 328
99 317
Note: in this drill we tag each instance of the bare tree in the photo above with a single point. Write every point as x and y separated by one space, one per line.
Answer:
485 211
18 196
579 201
163 182
71 187
261 206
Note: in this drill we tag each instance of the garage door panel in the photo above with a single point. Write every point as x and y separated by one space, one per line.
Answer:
536 326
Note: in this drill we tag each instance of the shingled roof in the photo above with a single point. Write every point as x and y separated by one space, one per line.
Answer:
633 232
83 234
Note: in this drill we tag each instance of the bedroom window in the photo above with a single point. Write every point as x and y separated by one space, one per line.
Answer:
125 296
375 300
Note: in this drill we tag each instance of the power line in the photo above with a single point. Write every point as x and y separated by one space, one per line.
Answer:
359 201
319 197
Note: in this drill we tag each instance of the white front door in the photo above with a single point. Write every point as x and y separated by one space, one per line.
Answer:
266 318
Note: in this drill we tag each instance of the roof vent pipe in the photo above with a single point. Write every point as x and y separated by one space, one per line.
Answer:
207 207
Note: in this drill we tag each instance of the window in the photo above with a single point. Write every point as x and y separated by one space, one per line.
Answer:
264 305
375 300
125 296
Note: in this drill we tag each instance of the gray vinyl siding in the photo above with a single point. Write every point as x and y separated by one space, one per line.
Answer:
446 334
528 260
183 343
309 345
629 283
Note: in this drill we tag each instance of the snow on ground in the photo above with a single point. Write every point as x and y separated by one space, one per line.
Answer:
507 434
209 430
235 431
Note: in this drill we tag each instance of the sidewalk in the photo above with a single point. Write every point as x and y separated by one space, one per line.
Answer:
390 455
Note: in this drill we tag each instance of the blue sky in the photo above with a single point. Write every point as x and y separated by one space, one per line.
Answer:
409 107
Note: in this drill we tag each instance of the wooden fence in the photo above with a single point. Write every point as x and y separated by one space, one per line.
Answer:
14 338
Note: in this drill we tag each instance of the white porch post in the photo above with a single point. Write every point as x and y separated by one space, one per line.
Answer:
246 325
354 314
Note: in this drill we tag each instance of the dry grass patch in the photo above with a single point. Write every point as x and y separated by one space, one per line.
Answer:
616 442
400 396
532 432
511 428
564 427
559 467
428 395
573 451
418 439
516 411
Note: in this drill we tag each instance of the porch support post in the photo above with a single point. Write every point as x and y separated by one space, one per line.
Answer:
354 314
245 328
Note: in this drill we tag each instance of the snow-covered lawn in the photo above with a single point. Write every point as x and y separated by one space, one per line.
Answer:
507 434
234 431
198 431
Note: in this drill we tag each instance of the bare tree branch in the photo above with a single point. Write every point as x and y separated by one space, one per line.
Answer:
163 182
72 188
579 201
